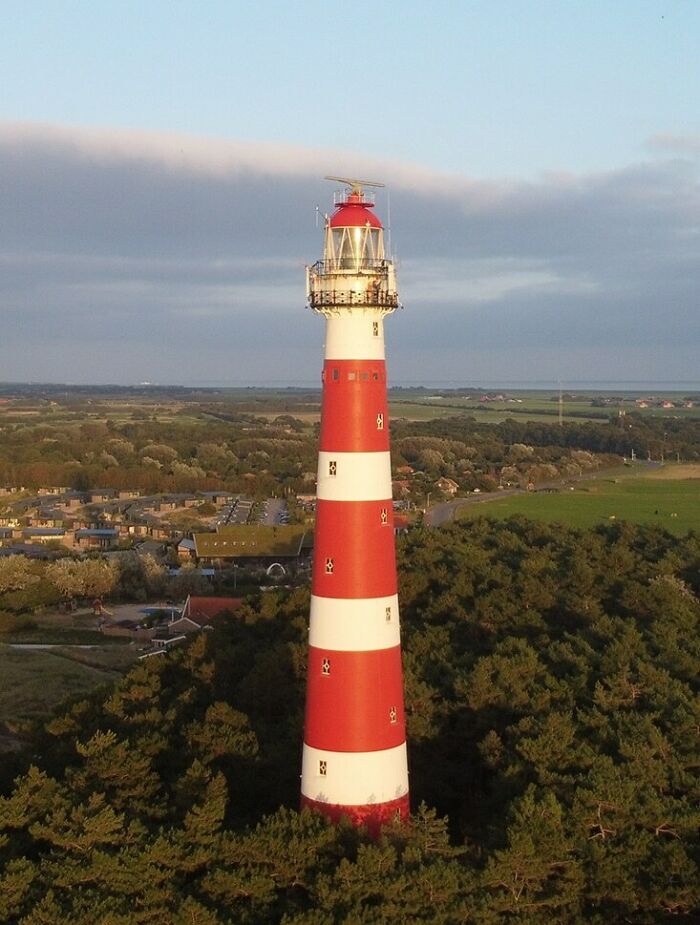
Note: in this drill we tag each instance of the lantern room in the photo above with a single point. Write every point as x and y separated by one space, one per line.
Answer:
354 234
354 272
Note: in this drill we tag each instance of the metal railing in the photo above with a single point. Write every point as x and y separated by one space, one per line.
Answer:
346 297
322 267
341 197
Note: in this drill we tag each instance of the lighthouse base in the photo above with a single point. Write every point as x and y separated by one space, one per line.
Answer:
371 815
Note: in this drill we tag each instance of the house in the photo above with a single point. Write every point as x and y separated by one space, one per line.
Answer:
96 538
151 548
48 518
101 495
449 486
69 500
199 612
186 549
219 498
44 535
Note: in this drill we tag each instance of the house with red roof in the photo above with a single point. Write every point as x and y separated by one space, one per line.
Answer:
199 612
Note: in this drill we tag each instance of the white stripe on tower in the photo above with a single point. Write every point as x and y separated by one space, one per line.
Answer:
358 779
354 625
353 476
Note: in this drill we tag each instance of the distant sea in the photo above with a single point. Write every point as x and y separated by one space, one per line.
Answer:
581 385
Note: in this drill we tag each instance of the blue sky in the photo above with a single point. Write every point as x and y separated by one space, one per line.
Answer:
542 158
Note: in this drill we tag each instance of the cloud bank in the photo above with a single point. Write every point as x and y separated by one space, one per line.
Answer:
129 256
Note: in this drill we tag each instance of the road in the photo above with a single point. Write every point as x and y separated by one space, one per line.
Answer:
446 511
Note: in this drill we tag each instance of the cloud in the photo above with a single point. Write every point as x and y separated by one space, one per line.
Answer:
676 144
129 255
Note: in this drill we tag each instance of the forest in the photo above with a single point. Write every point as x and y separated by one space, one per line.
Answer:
553 711
175 446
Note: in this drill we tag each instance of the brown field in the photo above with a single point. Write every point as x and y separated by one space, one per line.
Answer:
676 471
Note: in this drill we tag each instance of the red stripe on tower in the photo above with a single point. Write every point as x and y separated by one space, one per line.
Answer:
354 761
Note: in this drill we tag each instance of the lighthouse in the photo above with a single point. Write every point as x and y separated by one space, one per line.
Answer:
354 756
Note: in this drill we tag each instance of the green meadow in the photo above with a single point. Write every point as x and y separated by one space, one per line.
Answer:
671 503
33 682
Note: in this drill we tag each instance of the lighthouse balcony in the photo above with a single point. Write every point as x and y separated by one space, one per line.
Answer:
348 297
351 264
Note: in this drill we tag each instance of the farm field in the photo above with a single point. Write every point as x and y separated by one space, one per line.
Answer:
668 498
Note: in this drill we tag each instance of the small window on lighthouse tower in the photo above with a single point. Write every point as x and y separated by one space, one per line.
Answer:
322 768
375 329
329 566
380 421
383 517
393 716
325 666
332 467
387 614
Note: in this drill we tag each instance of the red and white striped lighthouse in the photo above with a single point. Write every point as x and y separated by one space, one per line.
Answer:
354 760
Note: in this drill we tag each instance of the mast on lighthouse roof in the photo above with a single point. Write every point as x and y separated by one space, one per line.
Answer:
354 760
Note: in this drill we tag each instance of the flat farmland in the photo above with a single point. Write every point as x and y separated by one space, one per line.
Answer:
668 498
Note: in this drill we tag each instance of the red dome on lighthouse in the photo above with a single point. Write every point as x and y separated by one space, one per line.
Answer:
354 211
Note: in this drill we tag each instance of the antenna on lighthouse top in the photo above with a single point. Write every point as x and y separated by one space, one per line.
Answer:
354 183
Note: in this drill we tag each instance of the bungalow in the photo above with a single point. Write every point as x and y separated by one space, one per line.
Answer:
48 518
100 538
44 535
69 500
100 495
219 498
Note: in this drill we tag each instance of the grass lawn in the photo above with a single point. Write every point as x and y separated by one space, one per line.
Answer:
671 503
33 682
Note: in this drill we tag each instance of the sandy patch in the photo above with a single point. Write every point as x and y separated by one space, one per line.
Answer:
676 472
